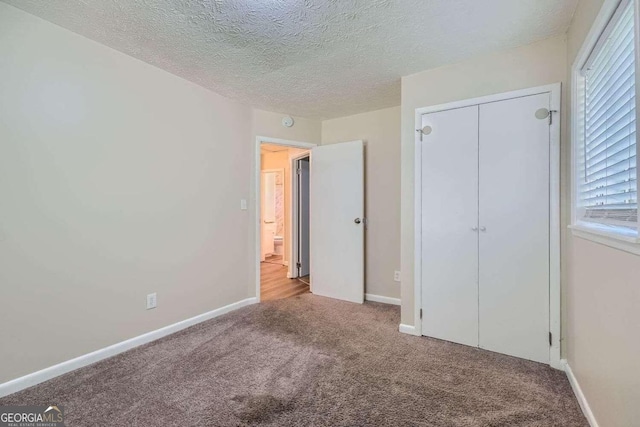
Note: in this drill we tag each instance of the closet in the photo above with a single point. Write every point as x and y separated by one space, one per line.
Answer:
485 225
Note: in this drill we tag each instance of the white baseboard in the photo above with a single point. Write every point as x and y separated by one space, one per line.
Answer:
582 400
95 356
556 363
408 329
380 298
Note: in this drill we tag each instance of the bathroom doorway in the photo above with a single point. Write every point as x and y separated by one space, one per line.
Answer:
273 218
284 221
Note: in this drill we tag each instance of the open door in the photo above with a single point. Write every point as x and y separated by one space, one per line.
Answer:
337 221
303 216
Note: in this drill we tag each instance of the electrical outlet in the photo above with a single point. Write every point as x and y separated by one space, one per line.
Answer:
396 276
243 204
151 301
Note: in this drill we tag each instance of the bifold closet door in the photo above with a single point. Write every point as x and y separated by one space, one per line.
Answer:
449 225
514 228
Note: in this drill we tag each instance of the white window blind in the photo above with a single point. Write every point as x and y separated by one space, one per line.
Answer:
607 184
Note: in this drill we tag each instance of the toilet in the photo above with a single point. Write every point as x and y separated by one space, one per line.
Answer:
278 245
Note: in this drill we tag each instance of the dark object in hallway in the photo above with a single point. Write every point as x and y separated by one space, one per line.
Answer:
309 360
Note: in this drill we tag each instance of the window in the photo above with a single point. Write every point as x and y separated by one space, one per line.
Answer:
606 163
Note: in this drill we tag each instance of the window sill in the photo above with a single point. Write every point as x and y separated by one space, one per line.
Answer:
622 242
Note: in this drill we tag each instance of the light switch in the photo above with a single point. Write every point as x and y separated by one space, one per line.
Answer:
152 301
243 204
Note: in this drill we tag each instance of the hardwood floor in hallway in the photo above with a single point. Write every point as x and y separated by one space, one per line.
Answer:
274 283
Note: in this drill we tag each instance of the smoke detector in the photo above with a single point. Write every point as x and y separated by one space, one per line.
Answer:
287 121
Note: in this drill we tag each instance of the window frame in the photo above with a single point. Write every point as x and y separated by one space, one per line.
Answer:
616 238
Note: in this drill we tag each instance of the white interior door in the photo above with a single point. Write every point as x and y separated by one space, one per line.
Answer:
514 228
450 226
336 221
303 216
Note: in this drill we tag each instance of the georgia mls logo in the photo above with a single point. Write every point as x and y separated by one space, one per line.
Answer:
57 412
31 416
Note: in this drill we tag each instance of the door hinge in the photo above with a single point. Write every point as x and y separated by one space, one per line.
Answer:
298 264
299 171
551 116
420 313
550 339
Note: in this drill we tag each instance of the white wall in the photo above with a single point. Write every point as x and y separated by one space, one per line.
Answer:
117 179
528 66
603 303
381 132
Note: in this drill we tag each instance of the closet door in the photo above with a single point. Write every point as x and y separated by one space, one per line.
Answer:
514 228
449 226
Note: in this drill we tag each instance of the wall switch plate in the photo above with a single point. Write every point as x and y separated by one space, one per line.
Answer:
151 301
396 276
243 204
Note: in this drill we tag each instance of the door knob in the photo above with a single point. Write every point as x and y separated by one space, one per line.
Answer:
357 221
474 228
483 228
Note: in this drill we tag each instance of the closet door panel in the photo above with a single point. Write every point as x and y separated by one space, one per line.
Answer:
449 219
514 228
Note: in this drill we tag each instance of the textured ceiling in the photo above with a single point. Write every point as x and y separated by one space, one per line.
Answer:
312 58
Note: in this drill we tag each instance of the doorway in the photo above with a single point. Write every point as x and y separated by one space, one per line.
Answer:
273 218
283 220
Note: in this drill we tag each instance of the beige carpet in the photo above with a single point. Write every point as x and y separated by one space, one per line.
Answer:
309 361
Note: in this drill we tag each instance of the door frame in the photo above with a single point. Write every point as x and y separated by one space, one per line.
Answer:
555 91
258 200
294 213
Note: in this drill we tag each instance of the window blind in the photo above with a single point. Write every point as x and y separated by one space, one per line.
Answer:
608 182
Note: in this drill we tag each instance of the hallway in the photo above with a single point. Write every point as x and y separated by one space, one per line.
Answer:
274 283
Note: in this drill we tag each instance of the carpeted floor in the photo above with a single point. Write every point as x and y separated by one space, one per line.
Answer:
309 361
